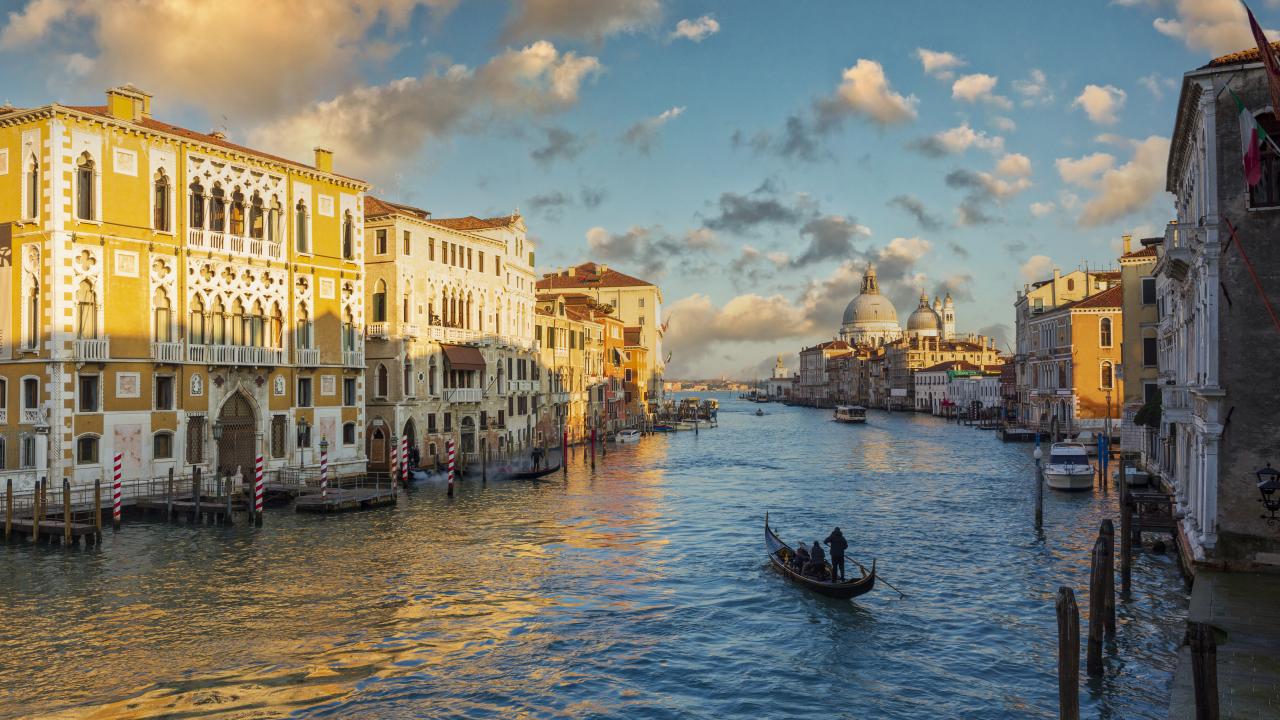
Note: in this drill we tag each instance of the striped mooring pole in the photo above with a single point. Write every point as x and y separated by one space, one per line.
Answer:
404 461
115 491
324 468
258 488
394 469
449 445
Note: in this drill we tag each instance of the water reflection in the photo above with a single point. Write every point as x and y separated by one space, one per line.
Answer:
636 590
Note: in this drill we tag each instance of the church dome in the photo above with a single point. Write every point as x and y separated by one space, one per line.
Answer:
870 309
925 319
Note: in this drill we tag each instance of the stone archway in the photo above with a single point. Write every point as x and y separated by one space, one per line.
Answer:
378 447
410 434
238 443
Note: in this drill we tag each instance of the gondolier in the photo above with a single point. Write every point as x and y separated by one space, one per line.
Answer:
838 546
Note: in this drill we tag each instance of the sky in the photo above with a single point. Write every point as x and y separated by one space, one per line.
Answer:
749 157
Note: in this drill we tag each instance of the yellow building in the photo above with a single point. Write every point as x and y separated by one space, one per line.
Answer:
572 360
173 297
1139 349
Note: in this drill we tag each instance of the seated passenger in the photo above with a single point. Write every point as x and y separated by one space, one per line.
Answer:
817 567
800 558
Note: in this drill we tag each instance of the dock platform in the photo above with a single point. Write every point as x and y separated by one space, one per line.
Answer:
345 500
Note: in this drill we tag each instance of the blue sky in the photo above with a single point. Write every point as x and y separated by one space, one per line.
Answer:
751 164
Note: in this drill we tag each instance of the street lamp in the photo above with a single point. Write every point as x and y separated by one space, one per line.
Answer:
304 439
217 430
1268 484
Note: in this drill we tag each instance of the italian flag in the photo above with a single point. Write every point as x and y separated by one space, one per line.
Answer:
1251 138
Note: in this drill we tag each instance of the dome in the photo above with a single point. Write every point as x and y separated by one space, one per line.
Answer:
925 319
870 309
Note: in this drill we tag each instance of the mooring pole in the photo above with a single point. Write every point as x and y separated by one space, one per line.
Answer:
1068 655
97 510
1097 589
1126 533
1107 533
66 512
168 498
36 510
8 509
1039 486
116 491
593 446
195 493
449 447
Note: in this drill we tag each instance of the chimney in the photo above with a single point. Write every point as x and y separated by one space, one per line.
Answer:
128 103
573 272
602 269
1127 239
324 159
1057 275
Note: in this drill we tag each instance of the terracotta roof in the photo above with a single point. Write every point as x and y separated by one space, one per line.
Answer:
207 138
832 345
1112 297
953 365
1240 57
1149 251
631 335
471 222
589 274
373 207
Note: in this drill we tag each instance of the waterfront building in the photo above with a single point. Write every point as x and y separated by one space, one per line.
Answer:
922 348
571 355
607 388
934 392
1216 327
451 350
173 297
814 386
1072 361
778 385
636 363
1138 351
636 302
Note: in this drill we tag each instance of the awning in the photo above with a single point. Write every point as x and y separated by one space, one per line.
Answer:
462 357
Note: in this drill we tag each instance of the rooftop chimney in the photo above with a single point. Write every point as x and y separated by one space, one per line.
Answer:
573 272
324 159
128 103
1127 239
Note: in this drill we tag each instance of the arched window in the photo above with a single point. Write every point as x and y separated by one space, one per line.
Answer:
87 450
276 339
237 322
197 205
300 231
217 209
33 315
33 189
253 333
349 331
219 316
255 217
380 301
405 305
1108 373
160 221
1267 192
85 204
302 335
382 381
86 311
196 329
237 212
273 221
1104 332
163 316
348 236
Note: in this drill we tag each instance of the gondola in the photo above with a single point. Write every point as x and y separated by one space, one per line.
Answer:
780 553
534 474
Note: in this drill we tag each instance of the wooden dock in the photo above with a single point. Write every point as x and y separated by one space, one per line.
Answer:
339 499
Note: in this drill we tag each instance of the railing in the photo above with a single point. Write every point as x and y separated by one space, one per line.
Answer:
408 330
197 353
92 348
462 395
32 416
217 241
377 330
167 352
200 239
559 397
1176 397
353 358
234 355
451 334
309 357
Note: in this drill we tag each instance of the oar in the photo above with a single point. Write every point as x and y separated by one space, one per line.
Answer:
879 577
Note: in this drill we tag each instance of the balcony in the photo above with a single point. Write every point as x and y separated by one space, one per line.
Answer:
559 397
166 352
408 330
32 416
353 358
462 395
234 355
377 331
198 239
308 357
91 349
451 334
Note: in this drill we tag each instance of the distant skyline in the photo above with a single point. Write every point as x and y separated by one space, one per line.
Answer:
749 157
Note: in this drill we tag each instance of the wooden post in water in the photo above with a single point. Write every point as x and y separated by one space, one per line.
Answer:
593 447
116 491
1039 486
484 465
35 511
449 449
1093 650
1126 533
8 509
168 498
564 451
226 483
195 494
66 512
1068 655
1107 533
97 510
1204 669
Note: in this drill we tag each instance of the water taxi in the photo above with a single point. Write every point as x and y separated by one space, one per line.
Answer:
627 436
1068 467
851 414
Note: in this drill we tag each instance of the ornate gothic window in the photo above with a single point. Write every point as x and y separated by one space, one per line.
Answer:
380 302
273 221
237 212
255 217
86 311
277 327
163 316
218 336
85 187
348 236
196 330
197 205
382 381
302 336
160 220
217 210
300 219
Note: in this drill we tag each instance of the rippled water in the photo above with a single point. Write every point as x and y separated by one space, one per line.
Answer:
638 591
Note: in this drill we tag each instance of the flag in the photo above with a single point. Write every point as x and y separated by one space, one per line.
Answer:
1268 57
1251 137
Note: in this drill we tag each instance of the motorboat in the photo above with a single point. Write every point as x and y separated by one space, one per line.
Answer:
851 414
759 412
663 427
627 436
1135 477
1068 467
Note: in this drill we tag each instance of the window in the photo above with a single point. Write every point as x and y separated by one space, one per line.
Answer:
162 446
349 433
164 392
380 242
279 424
237 213
30 393
255 217
27 451
33 189
273 220
86 311
348 391
196 328
160 221
1149 352
195 440
1071 284
1104 332
348 236
85 187
87 450
88 393
641 302
300 227
431 376
4 394
431 422
431 249
1107 376
1267 192
448 422
304 392
1150 392
163 316
468 258
641 321
382 382
217 209
380 302
406 242
1148 291
481 261
197 205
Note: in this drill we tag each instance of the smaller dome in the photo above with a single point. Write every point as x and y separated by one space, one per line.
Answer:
924 319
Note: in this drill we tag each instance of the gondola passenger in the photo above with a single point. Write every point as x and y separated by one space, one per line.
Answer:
800 559
817 562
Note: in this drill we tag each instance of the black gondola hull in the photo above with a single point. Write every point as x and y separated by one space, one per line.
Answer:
841 590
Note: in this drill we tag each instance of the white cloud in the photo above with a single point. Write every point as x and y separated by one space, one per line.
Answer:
698 325
643 135
939 64
695 30
1014 165
979 87
581 19
1215 26
1101 103
1034 90
1003 124
376 128
1157 84
957 140
1118 191
1040 209
1036 268
864 90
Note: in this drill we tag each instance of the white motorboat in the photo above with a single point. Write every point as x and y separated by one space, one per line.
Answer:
1134 477
1068 467
627 436
851 414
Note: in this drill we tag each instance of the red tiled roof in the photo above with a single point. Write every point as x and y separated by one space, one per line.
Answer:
207 138
588 274
1149 251
471 222
374 207
1112 297
1240 57
952 365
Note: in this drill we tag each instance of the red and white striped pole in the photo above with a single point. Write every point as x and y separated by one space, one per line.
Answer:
449 445
115 492
258 488
324 468
395 462
404 461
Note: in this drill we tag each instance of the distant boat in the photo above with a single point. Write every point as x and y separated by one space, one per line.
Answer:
534 474
663 427
627 436
759 412
851 414
1068 467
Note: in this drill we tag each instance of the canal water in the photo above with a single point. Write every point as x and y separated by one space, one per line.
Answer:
641 590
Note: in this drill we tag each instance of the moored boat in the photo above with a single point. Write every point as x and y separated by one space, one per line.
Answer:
663 427
627 436
1068 467
851 414
780 555
534 474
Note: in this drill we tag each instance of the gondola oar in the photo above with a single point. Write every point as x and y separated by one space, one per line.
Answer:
879 578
